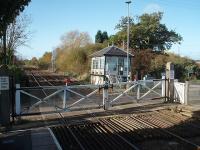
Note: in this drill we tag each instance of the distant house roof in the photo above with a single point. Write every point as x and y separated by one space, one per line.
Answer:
111 51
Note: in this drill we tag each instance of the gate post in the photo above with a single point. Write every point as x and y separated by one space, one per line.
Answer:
17 100
106 102
163 86
170 77
65 96
138 91
186 92
5 98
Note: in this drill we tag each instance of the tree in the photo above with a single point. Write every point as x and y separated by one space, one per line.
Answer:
183 66
141 62
17 35
8 12
104 36
157 65
101 37
74 39
98 37
76 61
45 61
122 25
71 55
34 61
147 33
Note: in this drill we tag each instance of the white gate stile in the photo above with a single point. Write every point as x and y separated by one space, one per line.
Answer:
180 92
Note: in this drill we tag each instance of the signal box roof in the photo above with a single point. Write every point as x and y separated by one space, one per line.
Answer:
111 51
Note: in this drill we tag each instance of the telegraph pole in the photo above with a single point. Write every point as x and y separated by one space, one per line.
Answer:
53 57
128 32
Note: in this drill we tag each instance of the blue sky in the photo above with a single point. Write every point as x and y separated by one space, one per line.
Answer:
52 18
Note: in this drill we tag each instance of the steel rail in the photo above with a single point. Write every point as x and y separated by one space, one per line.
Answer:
38 84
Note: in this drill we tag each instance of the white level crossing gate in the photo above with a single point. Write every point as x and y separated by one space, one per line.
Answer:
138 91
51 99
30 100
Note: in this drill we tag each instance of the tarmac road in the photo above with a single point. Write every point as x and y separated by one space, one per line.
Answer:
16 141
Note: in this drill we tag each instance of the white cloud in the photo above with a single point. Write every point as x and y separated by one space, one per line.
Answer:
153 7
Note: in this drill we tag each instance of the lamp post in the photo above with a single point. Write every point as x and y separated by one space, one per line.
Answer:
128 30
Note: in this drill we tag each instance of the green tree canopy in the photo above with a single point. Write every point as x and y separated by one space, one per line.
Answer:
10 9
122 25
101 37
147 33
104 36
98 38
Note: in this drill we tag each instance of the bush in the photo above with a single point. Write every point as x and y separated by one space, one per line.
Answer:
17 73
182 66
43 65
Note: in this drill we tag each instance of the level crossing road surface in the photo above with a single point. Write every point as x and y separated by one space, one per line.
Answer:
33 139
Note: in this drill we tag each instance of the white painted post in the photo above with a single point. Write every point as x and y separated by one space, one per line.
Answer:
105 98
176 94
186 92
170 77
18 100
64 96
138 91
163 86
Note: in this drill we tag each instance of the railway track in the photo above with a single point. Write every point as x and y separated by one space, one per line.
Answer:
162 130
69 133
46 78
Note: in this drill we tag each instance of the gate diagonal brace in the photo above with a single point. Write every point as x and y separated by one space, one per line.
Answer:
133 86
30 95
44 100
83 96
150 90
